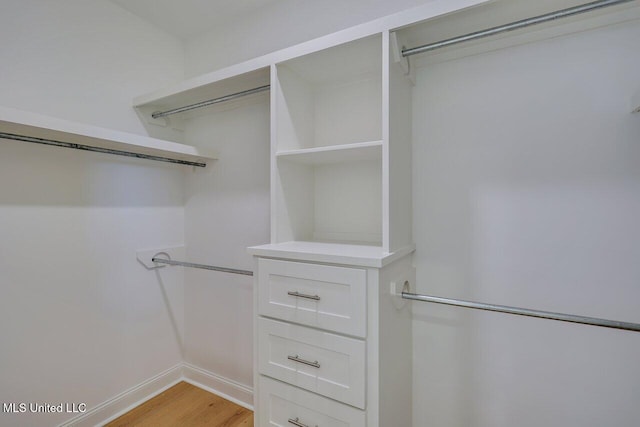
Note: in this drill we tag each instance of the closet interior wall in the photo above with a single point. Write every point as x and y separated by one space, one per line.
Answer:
226 210
527 193
80 319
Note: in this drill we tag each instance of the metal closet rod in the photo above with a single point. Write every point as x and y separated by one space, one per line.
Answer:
564 13
585 320
55 143
594 321
203 266
209 102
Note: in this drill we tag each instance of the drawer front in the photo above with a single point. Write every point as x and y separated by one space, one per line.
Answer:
325 363
322 296
283 405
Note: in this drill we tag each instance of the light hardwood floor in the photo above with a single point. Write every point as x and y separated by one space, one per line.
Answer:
185 405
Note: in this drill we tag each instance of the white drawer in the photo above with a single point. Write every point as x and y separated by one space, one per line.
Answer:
322 296
284 405
325 363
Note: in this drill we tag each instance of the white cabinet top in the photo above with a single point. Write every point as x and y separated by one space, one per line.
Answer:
331 253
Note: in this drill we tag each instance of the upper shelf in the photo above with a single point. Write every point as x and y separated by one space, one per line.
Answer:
50 129
203 88
256 72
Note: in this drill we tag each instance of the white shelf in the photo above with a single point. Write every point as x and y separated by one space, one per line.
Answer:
332 253
255 72
44 127
334 154
209 86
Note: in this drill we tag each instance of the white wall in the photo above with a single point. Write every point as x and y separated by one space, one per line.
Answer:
80 319
82 61
281 24
527 193
227 210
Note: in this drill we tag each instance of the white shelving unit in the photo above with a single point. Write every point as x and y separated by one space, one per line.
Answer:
340 157
31 125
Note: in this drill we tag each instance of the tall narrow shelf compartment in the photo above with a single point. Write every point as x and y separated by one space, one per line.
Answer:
328 145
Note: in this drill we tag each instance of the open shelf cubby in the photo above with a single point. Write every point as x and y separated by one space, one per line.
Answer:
330 202
331 97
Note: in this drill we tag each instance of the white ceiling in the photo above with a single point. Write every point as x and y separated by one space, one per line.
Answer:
187 18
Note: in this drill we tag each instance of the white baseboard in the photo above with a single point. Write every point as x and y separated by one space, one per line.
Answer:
233 391
127 400
107 411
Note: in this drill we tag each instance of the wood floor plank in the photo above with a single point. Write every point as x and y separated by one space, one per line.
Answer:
185 405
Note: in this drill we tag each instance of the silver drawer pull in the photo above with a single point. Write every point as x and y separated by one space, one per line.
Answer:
297 422
299 295
304 362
